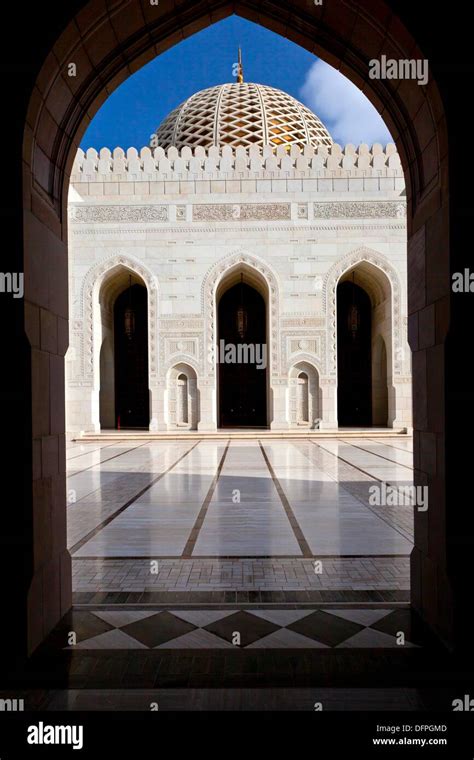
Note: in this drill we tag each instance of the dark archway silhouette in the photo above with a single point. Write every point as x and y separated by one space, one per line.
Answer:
111 42
354 356
241 371
132 400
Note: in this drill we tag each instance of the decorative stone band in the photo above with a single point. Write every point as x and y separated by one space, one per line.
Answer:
236 212
360 210
132 213
224 212
152 165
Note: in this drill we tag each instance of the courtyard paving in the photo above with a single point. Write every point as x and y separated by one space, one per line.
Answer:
239 515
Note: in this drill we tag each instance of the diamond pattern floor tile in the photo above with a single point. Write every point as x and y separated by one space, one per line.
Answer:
155 630
286 639
201 618
114 639
198 639
258 628
86 625
282 617
325 628
363 617
368 638
401 621
119 618
250 628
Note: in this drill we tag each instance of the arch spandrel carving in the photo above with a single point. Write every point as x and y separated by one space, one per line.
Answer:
91 285
215 276
347 262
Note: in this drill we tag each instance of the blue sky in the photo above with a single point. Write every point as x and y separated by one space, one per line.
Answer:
137 107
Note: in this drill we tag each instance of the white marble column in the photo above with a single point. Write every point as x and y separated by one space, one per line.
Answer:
83 410
208 406
400 405
279 415
157 407
329 404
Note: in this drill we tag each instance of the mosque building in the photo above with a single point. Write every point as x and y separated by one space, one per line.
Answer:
244 271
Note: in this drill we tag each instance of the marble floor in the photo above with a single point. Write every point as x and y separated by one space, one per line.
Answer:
230 628
235 574
215 517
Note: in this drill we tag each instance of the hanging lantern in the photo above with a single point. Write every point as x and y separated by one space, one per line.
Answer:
353 320
129 316
241 322
129 321
242 317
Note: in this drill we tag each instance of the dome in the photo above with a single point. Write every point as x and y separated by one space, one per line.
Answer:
241 113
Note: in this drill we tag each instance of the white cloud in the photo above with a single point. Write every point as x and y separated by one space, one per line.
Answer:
344 109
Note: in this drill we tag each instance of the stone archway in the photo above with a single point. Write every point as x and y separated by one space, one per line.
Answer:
93 281
182 397
305 394
108 46
241 352
108 355
86 333
381 282
380 264
260 275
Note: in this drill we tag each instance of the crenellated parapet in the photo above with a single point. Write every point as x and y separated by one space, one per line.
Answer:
240 163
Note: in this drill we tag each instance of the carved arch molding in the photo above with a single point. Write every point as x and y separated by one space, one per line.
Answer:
329 304
84 318
211 281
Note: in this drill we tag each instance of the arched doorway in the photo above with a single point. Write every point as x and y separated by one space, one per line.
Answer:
114 44
182 400
305 405
354 356
242 357
132 403
372 360
120 329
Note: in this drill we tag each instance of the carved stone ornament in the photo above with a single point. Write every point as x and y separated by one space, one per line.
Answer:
105 214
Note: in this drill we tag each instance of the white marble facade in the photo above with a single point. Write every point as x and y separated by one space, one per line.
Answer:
186 223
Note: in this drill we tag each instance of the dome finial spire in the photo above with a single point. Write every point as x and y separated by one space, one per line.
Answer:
240 70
